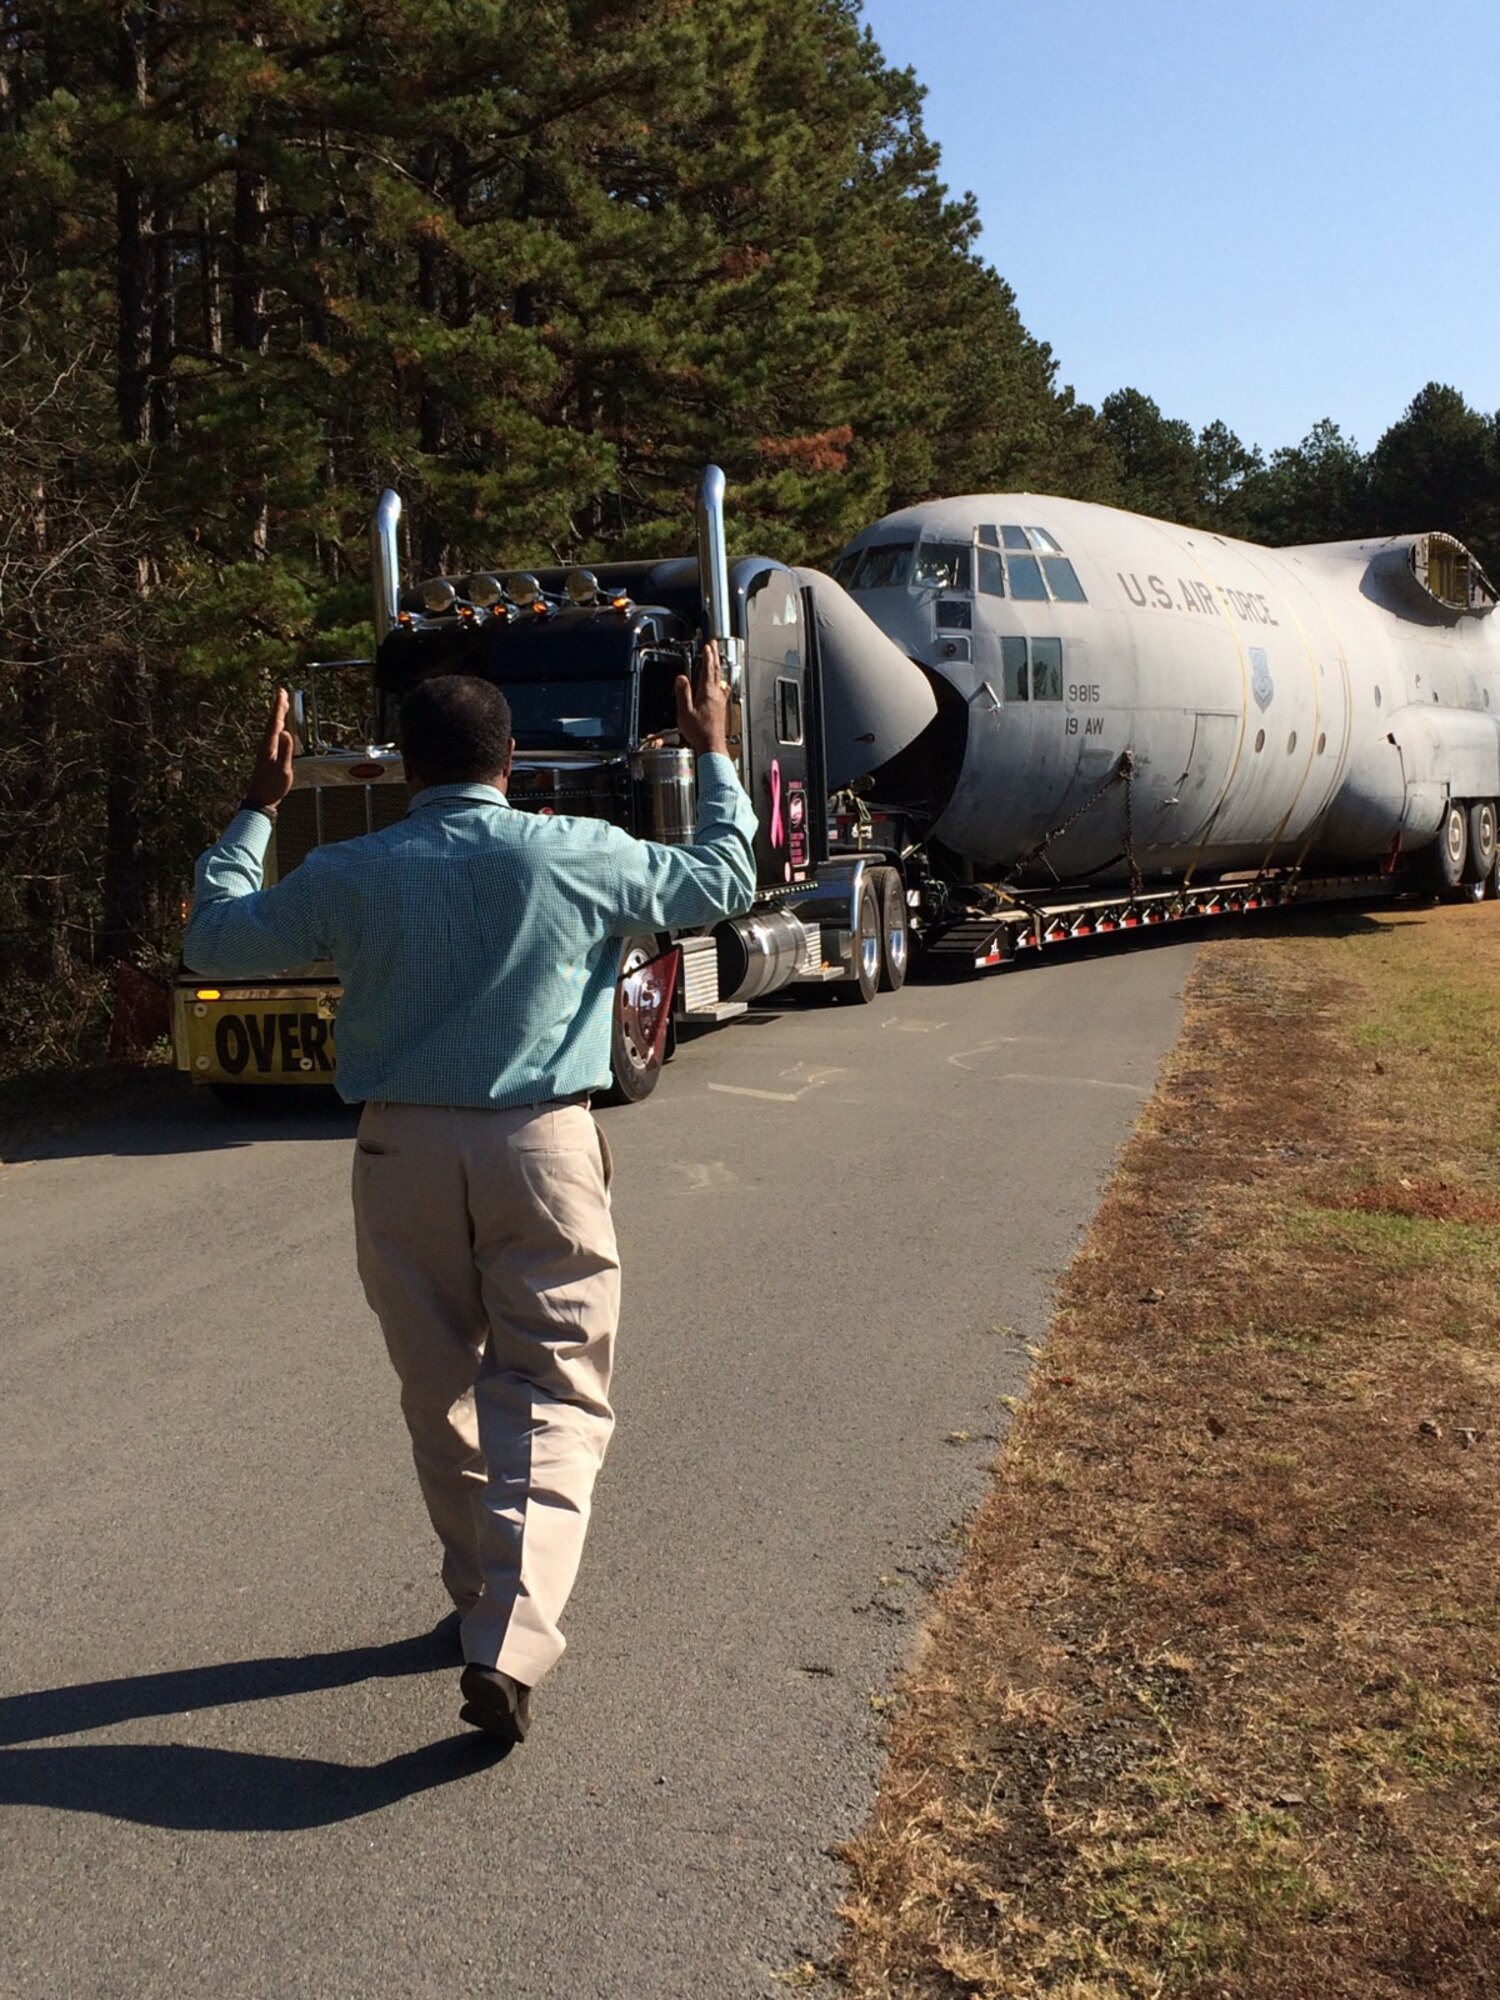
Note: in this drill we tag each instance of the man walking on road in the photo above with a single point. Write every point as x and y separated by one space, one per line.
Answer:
478 948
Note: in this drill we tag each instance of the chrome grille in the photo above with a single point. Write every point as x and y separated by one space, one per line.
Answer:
342 814
296 829
315 815
388 803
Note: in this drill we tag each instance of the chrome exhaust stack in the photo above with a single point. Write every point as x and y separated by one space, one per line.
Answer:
385 563
713 572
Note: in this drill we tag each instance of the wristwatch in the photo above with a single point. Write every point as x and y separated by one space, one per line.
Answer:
255 806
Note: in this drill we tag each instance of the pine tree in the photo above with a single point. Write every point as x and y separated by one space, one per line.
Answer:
1226 468
1438 467
532 261
1156 457
1317 491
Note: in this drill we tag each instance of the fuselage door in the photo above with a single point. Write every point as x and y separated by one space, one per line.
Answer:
1210 763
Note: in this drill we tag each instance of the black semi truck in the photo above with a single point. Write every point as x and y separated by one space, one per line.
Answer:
820 701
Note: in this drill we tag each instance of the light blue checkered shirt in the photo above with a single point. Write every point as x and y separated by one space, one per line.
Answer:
477 945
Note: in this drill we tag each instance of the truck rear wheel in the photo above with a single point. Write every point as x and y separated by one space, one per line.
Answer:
1482 843
865 944
895 931
638 1035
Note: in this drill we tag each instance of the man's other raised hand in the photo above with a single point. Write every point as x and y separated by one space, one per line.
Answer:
271 773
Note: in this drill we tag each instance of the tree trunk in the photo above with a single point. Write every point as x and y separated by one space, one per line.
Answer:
131 919
133 260
163 329
128 914
248 308
37 852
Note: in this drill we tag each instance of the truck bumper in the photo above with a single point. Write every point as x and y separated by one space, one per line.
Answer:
225 1032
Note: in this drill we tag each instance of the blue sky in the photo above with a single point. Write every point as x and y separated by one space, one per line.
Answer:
1262 211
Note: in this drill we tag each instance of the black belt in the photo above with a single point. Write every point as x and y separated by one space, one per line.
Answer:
583 1097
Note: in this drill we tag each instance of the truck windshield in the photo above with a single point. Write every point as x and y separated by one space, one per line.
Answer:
568 714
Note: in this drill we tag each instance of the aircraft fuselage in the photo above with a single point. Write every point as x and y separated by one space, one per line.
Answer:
1318 703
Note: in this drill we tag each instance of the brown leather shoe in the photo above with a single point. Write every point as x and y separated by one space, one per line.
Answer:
494 1703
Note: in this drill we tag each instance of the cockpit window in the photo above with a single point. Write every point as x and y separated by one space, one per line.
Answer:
1013 668
1004 559
1026 578
883 566
1046 670
1062 580
1043 681
941 566
1032 566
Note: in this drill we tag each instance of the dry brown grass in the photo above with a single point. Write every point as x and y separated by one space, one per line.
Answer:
1213 1707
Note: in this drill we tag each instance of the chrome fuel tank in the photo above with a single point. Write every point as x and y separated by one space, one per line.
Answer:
666 795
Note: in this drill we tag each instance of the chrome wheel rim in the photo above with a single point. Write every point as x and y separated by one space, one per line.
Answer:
641 996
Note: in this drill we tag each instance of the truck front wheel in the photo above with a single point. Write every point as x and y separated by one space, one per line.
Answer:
638 1033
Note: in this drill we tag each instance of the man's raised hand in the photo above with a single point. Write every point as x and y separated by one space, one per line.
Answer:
703 704
271 774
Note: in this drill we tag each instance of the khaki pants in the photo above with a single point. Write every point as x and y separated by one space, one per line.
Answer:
488 1253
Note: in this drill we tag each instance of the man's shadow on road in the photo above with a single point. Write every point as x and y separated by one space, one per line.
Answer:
197 1789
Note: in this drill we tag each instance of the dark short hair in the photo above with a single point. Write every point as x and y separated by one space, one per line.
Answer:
455 729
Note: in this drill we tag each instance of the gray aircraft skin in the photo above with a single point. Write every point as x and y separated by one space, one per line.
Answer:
1319 705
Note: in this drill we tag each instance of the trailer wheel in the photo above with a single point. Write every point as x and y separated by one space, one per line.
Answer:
1449 853
1482 842
637 1042
865 944
895 931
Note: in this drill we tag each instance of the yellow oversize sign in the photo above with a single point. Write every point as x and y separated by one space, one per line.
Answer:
260 1042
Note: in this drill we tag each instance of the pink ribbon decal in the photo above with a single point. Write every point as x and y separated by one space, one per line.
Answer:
778 831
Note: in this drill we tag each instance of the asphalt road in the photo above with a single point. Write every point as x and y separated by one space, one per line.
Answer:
231 1759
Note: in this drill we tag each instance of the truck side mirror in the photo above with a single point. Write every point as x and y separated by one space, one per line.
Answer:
303 721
